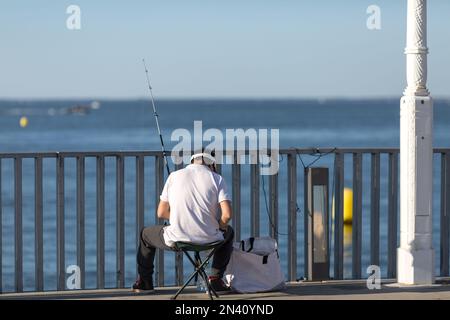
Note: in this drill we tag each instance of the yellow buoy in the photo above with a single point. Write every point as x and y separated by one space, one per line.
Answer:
23 122
348 237
348 206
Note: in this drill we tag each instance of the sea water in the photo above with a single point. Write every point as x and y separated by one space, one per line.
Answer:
130 125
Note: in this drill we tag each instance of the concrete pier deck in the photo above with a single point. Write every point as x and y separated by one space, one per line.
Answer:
329 290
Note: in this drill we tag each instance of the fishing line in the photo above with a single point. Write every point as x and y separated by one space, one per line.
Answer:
268 211
318 156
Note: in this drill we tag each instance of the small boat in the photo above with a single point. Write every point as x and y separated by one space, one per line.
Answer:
80 109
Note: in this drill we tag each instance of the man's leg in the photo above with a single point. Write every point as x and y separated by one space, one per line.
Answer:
151 238
223 254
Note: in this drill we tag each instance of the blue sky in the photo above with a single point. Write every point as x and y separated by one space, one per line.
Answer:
211 48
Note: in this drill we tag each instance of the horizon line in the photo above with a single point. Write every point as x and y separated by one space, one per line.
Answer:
218 98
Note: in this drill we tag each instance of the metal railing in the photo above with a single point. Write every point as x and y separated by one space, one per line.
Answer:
337 159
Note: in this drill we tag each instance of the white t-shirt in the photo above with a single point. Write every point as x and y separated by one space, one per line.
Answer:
194 194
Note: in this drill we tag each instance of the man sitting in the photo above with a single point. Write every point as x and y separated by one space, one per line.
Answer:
190 200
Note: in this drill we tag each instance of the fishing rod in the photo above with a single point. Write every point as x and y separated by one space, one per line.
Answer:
156 119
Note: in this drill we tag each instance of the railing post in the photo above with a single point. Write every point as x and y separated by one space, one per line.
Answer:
81 218
375 210
60 238
392 215
305 224
273 205
1 231
236 189
18 247
339 216
120 221
292 217
139 199
357 216
100 222
139 195
179 273
39 231
445 213
159 185
254 195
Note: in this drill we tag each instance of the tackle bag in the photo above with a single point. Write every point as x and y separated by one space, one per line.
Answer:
255 266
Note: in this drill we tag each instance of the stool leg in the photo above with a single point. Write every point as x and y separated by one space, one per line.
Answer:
210 255
199 266
201 271
205 276
208 286
194 274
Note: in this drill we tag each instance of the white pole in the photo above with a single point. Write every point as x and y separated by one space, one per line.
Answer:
415 264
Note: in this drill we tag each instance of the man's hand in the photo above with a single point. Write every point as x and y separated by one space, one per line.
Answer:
163 210
227 213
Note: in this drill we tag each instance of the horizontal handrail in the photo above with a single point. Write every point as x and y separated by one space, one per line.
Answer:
134 153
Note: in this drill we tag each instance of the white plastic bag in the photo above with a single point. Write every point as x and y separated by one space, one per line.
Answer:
255 266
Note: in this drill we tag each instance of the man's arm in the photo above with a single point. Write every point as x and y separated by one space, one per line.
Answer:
163 210
227 214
